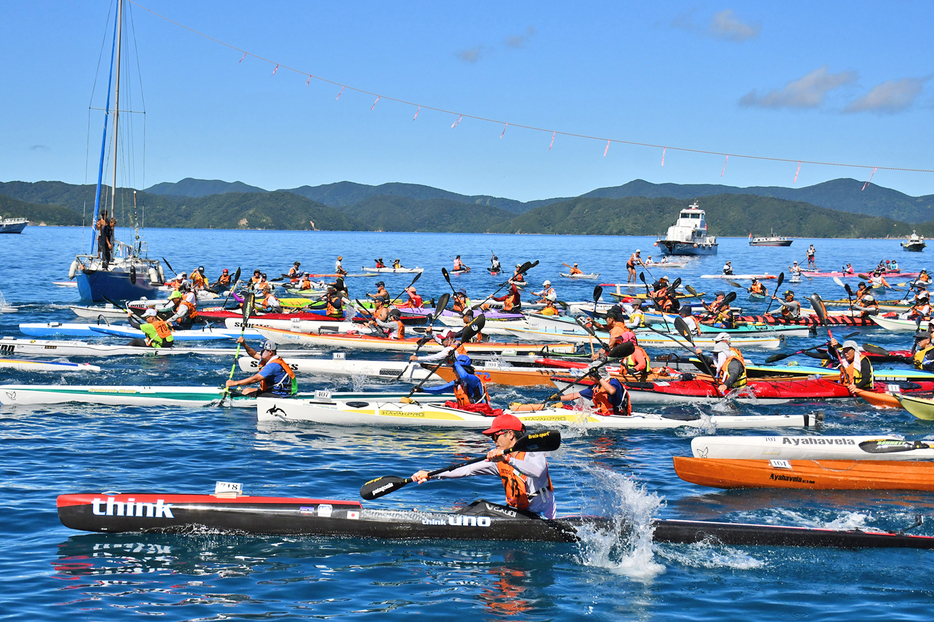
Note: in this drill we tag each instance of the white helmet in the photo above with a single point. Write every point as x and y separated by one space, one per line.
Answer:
546 284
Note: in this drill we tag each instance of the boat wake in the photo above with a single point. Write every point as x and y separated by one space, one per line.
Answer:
710 555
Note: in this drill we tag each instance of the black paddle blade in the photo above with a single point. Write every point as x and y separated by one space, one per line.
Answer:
676 284
691 289
168 265
376 488
248 308
236 275
441 304
849 290
730 297
818 305
597 292
447 277
781 279
549 440
417 277
642 276
874 349
886 446
682 327
776 357
622 350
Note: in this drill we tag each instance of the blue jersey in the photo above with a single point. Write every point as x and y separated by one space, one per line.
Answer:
276 379
470 382
616 399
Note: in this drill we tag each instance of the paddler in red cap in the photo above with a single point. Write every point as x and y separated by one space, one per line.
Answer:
524 474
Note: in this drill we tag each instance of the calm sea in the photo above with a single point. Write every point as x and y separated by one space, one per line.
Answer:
48 572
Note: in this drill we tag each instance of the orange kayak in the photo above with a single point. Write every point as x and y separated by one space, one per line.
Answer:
807 474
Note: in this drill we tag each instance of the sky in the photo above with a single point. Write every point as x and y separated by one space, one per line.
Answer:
673 86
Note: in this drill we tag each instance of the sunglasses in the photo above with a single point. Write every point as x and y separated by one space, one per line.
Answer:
496 435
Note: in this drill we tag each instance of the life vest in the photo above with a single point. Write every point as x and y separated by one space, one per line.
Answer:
400 329
458 306
267 303
267 385
293 274
458 264
224 279
725 370
464 398
516 484
549 311
198 280
787 312
335 306
757 288
380 264
630 361
853 373
603 405
461 349
306 283
920 358
192 306
255 280
163 332
415 301
641 316
919 309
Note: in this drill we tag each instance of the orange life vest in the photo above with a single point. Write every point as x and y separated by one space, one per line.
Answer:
601 401
335 306
516 483
162 329
192 308
757 288
266 384
725 370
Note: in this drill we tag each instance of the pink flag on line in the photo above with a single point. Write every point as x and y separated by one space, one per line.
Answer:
374 103
796 174
552 140
607 148
664 149
275 70
458 121
874 169
504 130
339 94
416 113
724 166
244 56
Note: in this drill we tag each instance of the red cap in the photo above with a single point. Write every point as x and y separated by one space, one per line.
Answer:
504 422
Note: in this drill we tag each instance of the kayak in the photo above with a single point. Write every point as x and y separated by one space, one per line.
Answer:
410 344
47 347
393 270
108 312
768 390
379 412
582 275
560 322
193 334
756 297
401 371
738 277
665 264
224 314
920 407
480 520
645 338
810 448
461 271
809 320
887 273
35 394
897 325
807 474
23 365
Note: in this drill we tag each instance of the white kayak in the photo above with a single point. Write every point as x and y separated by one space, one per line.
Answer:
739 277
400 371
296 325
417 413
393 270
582 275
877 447
195 334
897 324
24 365
38 394
645 338
58 348
665 264
107 312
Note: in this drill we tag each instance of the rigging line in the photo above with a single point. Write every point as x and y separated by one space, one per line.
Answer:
464 115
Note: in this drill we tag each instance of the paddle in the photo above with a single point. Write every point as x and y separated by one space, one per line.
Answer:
169 266
582 322
619 352
474 327
735 284
522 270
439 309
236 280
247 309
685 332
549 440
780 357
642 278
447 277
778 284
849 295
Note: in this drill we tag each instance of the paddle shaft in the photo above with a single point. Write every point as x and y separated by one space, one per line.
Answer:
470 330
778 284
439 309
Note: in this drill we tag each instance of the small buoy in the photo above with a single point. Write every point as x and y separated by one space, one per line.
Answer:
73 269
153 275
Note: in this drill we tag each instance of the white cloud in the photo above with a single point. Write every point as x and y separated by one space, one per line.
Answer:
472 55
725 25
809 91
519 41
889 97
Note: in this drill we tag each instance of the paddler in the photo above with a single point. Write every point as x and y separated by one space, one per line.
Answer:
415 301
729 364
392 326
275 377
637 364
690 320
517 277
868 306
576 270
269 304
848 269
495 266
728 269
619 332
305 283
548 293
447 342
222 282
459 265
857 369
157 333
396 264
295 272
549 309
198 280
791 308
339 267
757 288
257 278
524 474
379 263
334 302
512 301
467 387
716 310
461 301
920 311
380 291
923 280
810 253
876 279
861 290
264 286
608 395
923 349
187 312
634 260
795 270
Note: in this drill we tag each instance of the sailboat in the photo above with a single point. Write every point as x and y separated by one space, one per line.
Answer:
128 274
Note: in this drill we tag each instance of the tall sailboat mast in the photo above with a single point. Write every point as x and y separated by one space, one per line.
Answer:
113 185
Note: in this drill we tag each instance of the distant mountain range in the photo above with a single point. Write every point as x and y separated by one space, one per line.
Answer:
637 208
845 195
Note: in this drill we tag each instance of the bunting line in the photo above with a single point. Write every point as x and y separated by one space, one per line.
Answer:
554 133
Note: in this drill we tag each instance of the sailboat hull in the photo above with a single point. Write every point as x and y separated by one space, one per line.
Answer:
94 285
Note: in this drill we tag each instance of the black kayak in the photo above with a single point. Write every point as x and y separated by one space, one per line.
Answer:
481 520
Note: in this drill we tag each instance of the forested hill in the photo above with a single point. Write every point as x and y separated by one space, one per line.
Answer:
728 214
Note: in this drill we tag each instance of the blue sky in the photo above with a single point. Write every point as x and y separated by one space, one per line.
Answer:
841 82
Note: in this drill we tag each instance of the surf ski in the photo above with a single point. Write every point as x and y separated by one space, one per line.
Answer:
815 447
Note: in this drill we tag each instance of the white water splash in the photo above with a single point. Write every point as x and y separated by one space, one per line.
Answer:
628 548
710 555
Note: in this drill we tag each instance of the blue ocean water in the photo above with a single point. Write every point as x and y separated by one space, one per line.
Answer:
50 572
